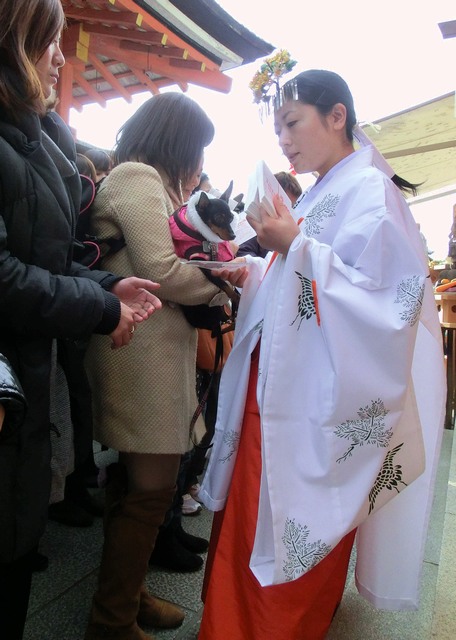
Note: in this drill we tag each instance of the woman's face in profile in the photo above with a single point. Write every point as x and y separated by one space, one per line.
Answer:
48 67
192 183
304 137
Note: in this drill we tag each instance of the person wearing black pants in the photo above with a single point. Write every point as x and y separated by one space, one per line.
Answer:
44 295
78 506
174 547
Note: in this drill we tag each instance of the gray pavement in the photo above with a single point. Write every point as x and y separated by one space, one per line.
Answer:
61 596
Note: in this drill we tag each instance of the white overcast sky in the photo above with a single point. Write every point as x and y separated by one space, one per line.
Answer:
390 52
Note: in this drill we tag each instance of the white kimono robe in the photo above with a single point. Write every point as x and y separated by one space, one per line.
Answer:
351 389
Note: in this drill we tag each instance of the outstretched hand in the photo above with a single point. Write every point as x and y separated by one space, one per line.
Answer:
137 303
136 294
236 277
275 234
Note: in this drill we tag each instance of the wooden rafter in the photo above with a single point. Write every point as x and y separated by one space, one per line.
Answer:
150 84
153 23
150 38
89 89
157 64
116 48
164 52
109 77
107 17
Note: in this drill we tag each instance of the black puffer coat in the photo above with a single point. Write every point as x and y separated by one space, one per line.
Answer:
39 198
11 396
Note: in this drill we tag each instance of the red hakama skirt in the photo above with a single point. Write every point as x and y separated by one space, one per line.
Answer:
236 606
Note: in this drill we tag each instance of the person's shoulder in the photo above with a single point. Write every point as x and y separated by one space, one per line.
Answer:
367 179
359 167
132 169
132 179
58 130
136 176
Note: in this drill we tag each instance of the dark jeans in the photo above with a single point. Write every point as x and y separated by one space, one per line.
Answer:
70 354
15 584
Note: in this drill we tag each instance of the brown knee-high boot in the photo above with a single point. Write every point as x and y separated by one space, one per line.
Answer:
130 530
153 611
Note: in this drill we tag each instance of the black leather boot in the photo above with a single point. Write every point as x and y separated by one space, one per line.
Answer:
77 493
68 513
195 544
169 553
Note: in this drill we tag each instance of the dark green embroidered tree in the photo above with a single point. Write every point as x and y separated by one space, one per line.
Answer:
369 428
301 554
326 208
231 440
410 292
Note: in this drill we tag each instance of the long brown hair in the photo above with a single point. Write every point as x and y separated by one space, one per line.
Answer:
27 28
169 131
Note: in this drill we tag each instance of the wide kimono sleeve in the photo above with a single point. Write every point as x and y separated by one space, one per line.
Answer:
347 333
350 389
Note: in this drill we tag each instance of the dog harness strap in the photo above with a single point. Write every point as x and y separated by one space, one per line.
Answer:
195 250
190 231
210 248
204 247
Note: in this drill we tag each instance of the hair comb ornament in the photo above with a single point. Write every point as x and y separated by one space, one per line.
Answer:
267 79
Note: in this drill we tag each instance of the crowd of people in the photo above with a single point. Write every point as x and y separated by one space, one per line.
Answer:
328 407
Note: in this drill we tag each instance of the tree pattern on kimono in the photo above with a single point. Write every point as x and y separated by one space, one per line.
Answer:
368 428
410 293
231 440
301 554
306 300
326 208
389 477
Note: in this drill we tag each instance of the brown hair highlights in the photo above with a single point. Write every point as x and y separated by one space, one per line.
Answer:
169 131
27 28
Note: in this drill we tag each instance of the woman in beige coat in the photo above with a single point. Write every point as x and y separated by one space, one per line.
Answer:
144 396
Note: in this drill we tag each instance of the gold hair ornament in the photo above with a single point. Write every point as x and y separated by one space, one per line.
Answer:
268 77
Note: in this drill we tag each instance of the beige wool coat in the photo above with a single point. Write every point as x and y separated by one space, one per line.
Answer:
144 394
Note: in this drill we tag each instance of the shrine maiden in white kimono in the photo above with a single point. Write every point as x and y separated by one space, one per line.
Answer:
351 388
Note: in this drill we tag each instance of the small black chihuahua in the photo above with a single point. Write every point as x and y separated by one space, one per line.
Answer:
215 213
202 229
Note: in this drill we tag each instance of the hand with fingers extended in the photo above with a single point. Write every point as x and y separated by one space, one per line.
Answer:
136 294
137 304
275 234
236 277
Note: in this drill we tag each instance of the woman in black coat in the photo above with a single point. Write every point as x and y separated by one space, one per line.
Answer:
43 294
